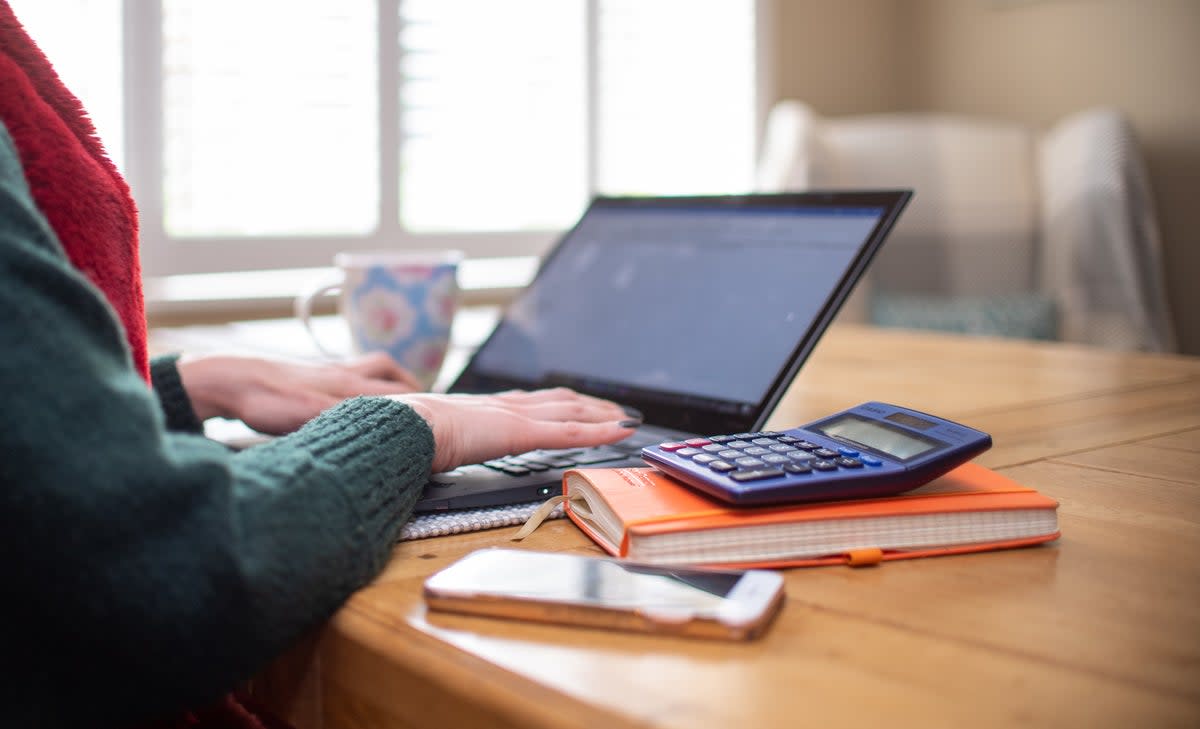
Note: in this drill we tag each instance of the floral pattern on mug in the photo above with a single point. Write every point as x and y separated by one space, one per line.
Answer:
386 317
440 305
406 311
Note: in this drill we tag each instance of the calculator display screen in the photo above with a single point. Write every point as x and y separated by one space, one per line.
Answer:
878 436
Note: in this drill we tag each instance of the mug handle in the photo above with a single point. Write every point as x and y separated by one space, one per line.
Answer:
303 308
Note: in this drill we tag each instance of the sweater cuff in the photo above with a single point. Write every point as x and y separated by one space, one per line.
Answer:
384 451
173 398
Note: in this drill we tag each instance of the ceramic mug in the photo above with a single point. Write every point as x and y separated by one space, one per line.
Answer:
399 302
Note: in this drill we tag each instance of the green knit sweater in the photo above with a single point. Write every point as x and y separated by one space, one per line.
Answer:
146 568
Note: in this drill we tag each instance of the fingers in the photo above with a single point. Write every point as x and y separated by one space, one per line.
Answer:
559 408
275 414
370 374
495 432
574 434
563 418
380 366
578 410
475 428
548 394
276 395
565 404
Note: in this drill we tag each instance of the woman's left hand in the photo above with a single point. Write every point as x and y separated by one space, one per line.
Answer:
278 396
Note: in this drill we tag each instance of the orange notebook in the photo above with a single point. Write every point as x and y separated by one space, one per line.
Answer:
646 516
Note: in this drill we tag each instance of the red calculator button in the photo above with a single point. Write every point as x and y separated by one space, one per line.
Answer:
672 446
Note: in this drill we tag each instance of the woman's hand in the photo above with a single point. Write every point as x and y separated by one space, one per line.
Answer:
476 428
278 396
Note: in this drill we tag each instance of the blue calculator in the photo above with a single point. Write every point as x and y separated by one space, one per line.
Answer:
872 450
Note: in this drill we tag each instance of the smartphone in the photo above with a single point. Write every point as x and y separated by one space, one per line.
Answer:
607 593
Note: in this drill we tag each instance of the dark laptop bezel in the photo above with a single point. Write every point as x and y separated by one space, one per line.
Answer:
698 415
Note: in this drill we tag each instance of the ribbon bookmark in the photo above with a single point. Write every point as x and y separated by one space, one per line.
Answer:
536 518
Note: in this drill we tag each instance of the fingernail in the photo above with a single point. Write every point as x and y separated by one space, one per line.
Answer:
633 412
629 423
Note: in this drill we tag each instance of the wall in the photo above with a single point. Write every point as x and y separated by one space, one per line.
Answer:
843 56
1029 60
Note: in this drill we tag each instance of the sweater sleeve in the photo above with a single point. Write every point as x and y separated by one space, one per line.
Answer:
176 405
149 569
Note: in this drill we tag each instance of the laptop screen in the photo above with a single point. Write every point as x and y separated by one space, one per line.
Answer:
690 303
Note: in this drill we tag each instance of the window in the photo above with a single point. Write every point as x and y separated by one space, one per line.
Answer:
272 133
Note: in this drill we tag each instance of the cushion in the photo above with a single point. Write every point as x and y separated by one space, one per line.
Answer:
1027 316
972 225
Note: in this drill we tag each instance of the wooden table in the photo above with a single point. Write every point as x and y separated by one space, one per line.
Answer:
1101 628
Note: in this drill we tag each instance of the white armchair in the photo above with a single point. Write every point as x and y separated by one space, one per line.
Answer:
1013 230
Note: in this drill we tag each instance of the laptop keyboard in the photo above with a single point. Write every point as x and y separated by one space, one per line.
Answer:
546 459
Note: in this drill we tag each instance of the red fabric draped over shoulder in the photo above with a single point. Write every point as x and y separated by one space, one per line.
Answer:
74 183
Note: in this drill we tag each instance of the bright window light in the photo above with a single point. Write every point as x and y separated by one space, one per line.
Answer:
275 133
271 122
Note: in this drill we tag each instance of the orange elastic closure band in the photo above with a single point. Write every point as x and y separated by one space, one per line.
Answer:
864 557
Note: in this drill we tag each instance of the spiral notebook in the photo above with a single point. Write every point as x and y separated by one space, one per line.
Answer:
461 521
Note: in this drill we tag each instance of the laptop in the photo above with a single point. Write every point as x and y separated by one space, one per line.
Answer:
696 311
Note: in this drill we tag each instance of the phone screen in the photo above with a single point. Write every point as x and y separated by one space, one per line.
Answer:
579 580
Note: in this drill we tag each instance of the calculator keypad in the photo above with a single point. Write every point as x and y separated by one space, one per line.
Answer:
746 457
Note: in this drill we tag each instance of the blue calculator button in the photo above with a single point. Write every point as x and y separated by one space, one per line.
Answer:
870 460
848 452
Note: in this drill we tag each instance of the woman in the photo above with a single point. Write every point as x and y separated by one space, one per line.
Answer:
148 569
